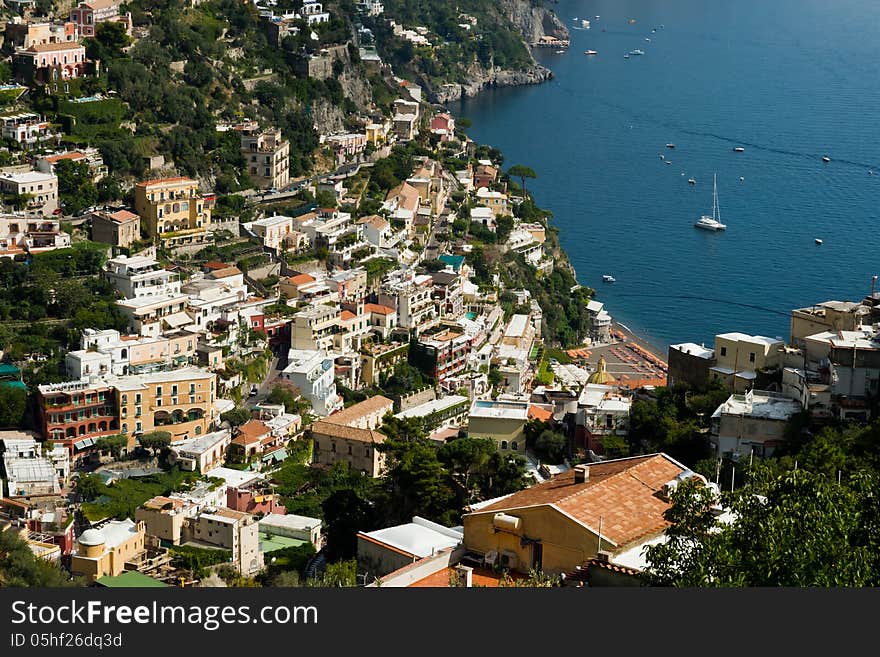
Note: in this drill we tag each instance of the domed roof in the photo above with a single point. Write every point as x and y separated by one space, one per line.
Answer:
91 537
601 374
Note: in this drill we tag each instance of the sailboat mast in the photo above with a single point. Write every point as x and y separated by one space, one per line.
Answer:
716 209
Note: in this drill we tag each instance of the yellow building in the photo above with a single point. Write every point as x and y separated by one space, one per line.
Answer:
105 551
173 205
501 421
555 526
178 401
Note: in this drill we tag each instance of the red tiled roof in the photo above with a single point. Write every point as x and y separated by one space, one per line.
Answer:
538 413
121 216
75 155
480 577
325 428
377 308
357 411
163 181
346 315
252 431
300 279
624 493
215 264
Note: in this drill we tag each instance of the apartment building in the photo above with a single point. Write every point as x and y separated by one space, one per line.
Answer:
268 158
75 413
501 421
173 208
334 443
202 454
738 358
24 34
315 327
109 352
411 297
448 350
40 190
180 402
33 233
140 276
91 157
231 530
25 128
273 231
751 423
105 551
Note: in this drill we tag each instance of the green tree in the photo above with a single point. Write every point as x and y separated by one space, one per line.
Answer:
806 529
75 187
155 440
522 172
112 445
418 484
550 446
13 406
237 416
20 567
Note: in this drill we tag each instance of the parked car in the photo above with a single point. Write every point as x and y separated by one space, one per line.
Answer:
254 391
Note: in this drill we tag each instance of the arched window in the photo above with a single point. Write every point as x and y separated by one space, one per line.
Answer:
198 430
514 446
503 444
123 353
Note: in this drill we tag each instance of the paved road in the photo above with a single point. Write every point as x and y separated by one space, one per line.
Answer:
266 386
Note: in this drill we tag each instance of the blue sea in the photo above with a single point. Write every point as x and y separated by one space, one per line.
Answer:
788 80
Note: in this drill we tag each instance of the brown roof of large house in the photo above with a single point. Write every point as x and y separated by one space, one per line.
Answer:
161 502
409 196
215 264
122 216
624 493
73 155
356 411
346 315
349 433
100 4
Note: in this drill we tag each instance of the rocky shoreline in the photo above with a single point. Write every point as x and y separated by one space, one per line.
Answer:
497 77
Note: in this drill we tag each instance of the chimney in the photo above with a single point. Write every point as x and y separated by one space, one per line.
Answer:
581 474
465 575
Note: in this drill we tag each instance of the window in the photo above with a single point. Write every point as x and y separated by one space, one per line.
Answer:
503 444
723 351
514 445
158 391
333 447
349 449
751 356
137 398
138 427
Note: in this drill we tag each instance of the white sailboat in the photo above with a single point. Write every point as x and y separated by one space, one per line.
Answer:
713 222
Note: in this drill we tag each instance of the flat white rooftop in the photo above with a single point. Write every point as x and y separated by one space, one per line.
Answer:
510 410
693 349
432 406
420 537
759 404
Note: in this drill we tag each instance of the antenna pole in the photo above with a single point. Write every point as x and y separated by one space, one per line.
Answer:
732 477
600 534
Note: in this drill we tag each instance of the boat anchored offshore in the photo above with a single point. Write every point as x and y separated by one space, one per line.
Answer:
636 52
670 145
591 52
714 222
608 278
692 181
826 159
818 241
738 149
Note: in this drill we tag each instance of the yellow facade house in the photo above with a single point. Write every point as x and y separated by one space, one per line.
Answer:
105 551
556 526
173 205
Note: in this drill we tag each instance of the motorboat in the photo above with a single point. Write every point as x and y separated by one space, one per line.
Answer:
826 159
626 56
692 181
608 278
591 52
636 52
647 39
668 161
714 222
585 24
670 145
818 241
738 149
742 178
662 156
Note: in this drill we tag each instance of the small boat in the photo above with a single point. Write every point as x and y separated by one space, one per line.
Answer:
668 161
670 145
636 52
692 181
714 222
826 159
742 178
591 52
738 149
560 52
654 31
870 172
632 21
607 278
818 241
585 24
662 156
626 56
647 39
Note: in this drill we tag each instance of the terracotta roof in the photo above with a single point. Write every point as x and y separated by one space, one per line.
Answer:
356 411
163 181
346 315
375 221
100 4
325 428
624 493
538 413
409 196
377 308
215 264
121 216
479 577
252 431
54 47
75 155
300 279
225 273
161 502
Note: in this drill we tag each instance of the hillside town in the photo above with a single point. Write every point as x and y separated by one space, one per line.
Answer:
377 371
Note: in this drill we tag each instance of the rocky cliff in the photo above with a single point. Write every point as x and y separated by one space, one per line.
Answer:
533 22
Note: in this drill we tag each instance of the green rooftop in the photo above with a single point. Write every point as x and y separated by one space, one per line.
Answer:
273 542
131 579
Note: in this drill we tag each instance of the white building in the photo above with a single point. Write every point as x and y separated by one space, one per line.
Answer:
272 230
139 276
752 422
312 372
41 189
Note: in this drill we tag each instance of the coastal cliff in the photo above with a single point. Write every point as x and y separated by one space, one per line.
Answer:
532 22
480 79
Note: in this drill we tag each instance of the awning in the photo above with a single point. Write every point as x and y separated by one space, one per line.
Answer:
176 320
275 457
85 443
